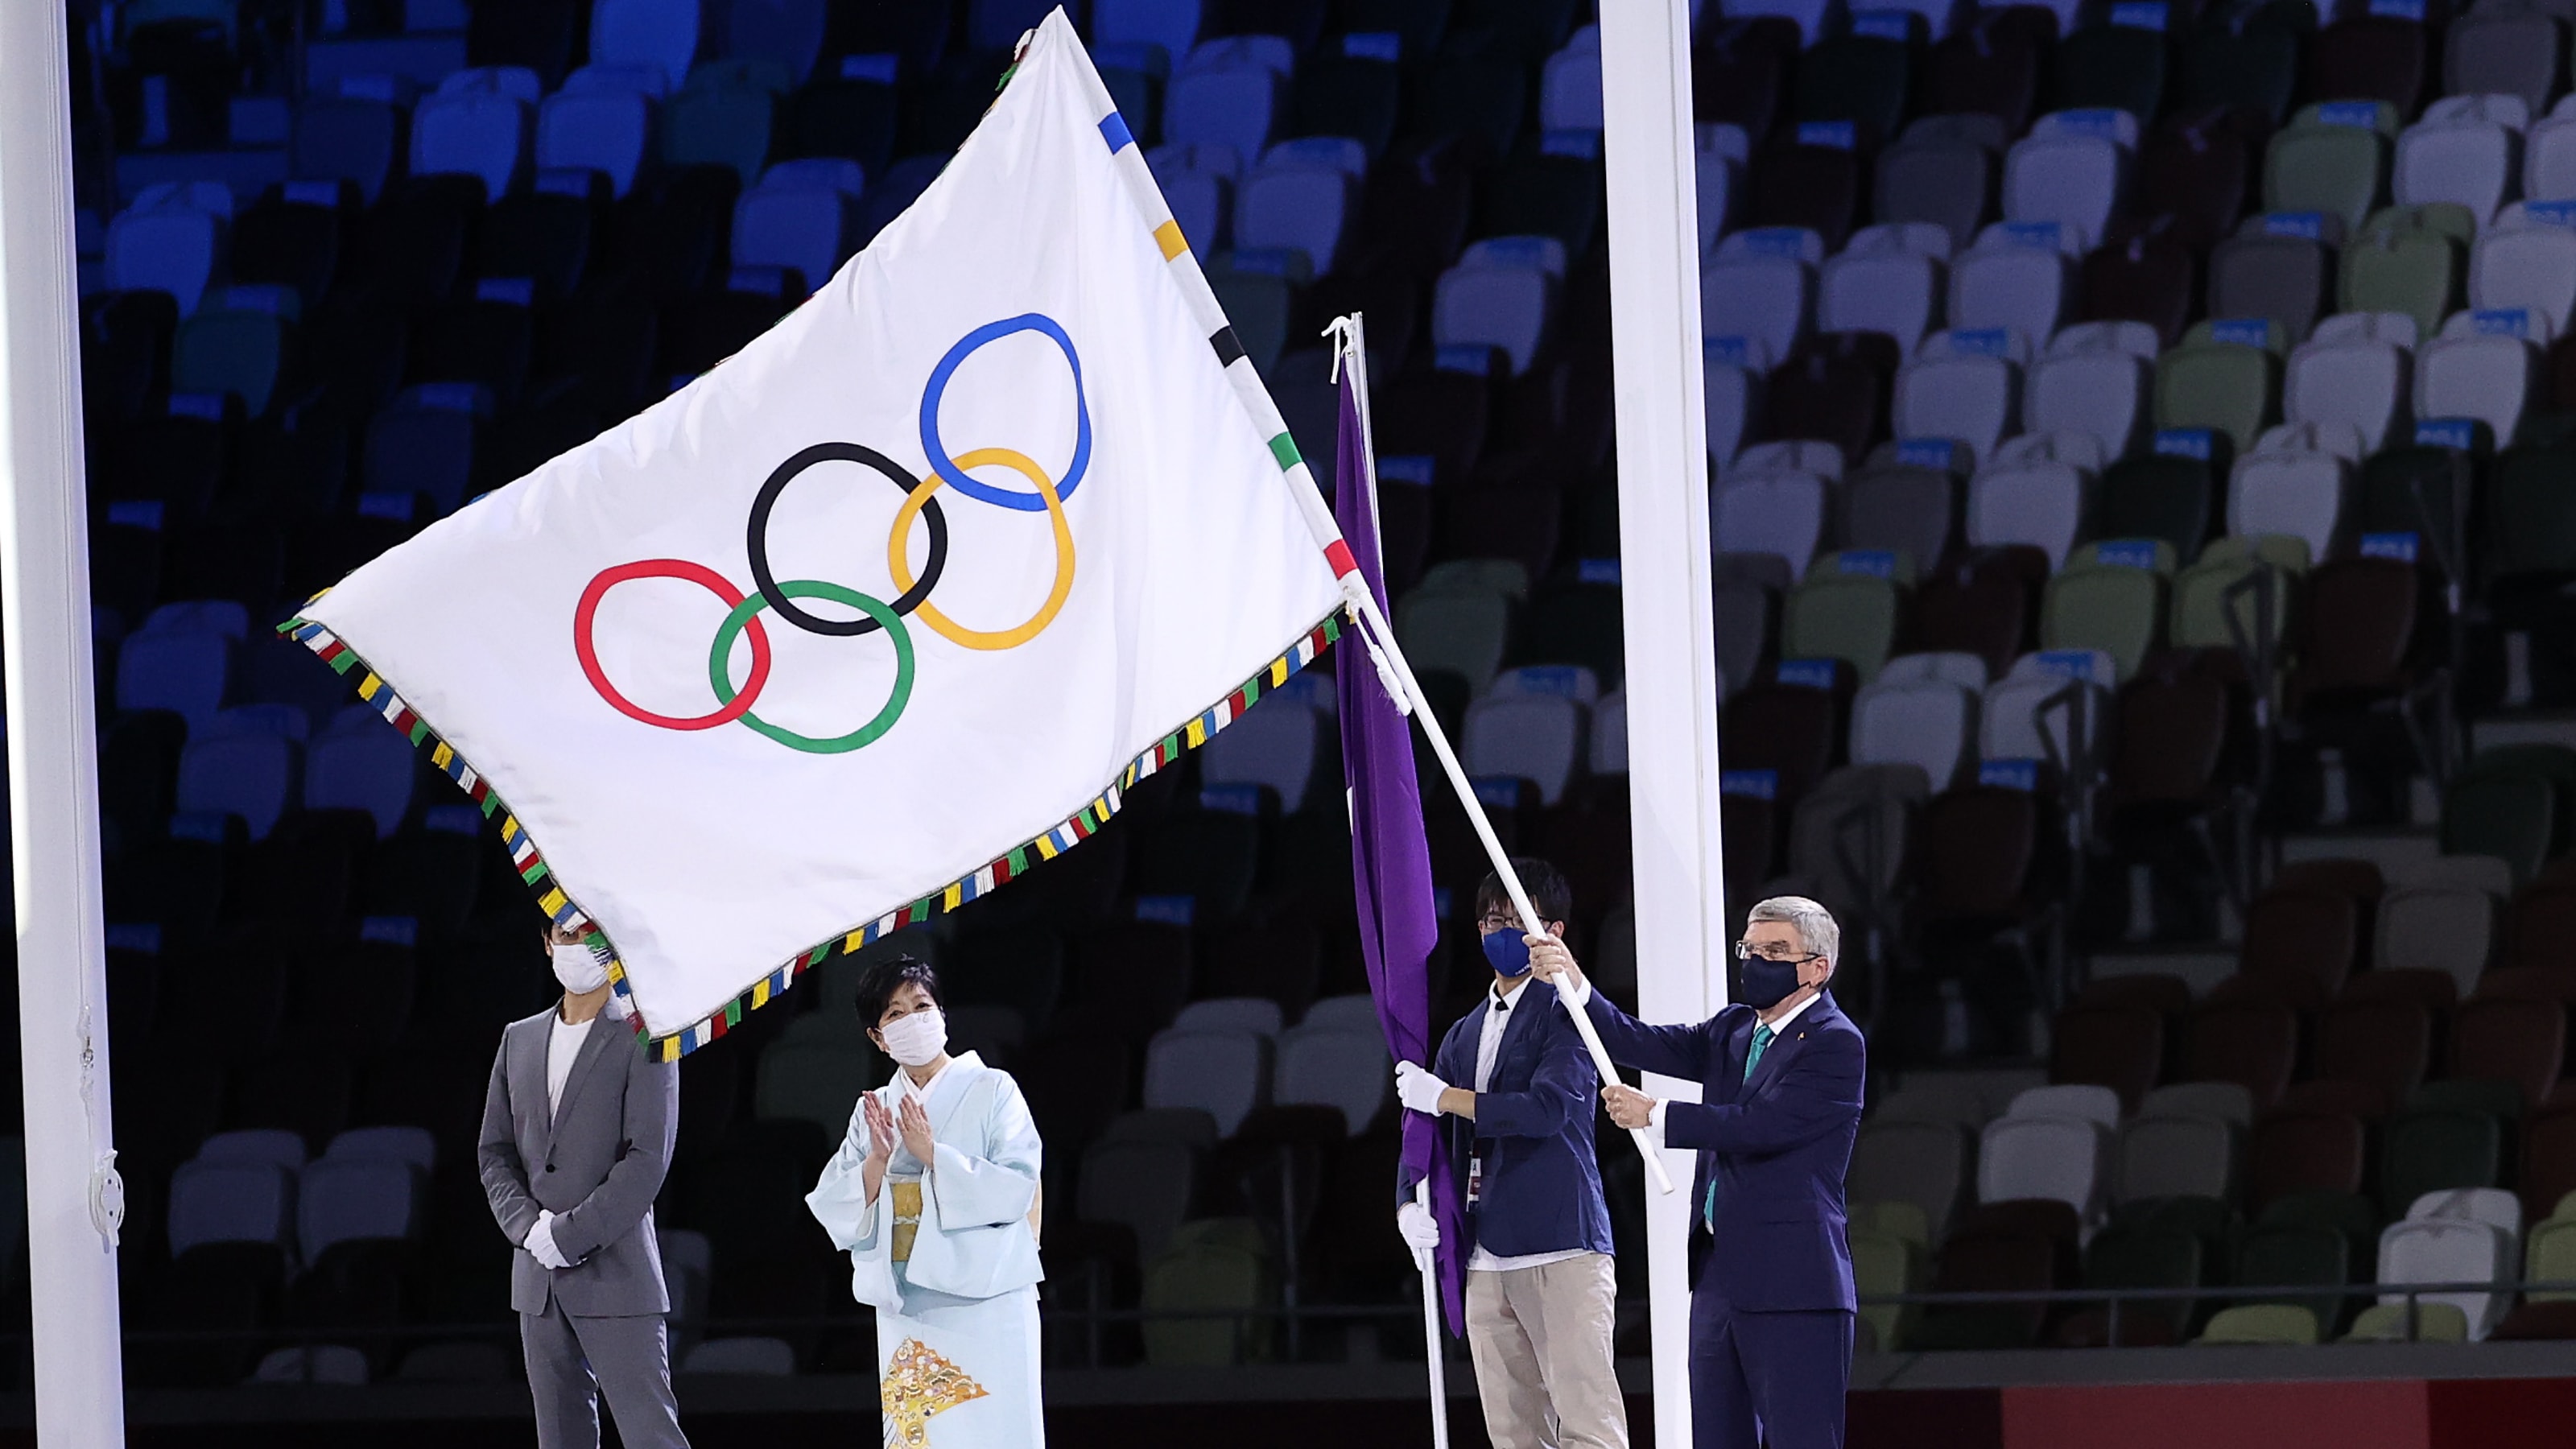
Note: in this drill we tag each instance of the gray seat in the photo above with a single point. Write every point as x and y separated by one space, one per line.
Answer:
2505 52
1947 182
2176 1157
1744 616
2284 278
1902 509
1857 818
1143 1186
1922 1163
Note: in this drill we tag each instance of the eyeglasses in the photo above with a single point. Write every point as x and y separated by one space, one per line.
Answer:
1747 950
1488 925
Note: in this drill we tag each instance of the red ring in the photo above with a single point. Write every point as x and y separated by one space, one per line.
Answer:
667 568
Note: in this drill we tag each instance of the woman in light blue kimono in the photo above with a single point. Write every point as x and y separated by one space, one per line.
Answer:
935 1195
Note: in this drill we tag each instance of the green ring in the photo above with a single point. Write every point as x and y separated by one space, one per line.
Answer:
866 734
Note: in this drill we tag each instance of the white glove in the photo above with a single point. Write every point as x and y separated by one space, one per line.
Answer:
1418 1090
1420 1230
541 1242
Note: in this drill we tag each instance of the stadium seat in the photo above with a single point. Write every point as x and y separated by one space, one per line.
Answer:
2527 259
1934 179
1333 1066
2036 496
477 124
1964 386
2521 54
2466 151
2092 379
802 217
2277 267
2055 1157
2482 366
1887 280
1228 102
1297 199
661 34
171 239
2017 276
1220 1072
2110 598
2073 169
1927 722
1758 288
1500 296
2354 369
2332 159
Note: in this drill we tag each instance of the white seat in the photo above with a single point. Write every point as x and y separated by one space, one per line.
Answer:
2074 180
1220 1072
1498 299
1889 291
482 134
2493 1206
2093 1103
1256 1014
2350 377
2095 123
606 131
1731 395
2013 277
1328 1064
2549 157
2060 1158
1968 671
659 33
2291 490
1964 386
2470 161
1610 731
1569 91
2441 1250
1800 455
1779 513
2018 722
1534 737
1557 681
1760 285
2482 366
1273 744
2450 929
2093 380
2520 264
2040 502
170 240
1714 173
1930 724
1816 18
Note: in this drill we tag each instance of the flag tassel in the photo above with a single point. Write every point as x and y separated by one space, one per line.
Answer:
1382 647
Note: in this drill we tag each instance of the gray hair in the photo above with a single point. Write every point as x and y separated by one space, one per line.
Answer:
1817 931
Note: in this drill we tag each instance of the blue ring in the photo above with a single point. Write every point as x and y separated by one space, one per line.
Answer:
954 476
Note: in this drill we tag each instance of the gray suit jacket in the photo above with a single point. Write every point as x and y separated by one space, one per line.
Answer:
596 1165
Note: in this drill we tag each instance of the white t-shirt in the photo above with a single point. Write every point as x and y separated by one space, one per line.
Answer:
563 1048
1499 1004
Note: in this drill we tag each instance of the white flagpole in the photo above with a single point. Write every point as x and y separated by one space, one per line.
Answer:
1350 341
74 1199
1396 673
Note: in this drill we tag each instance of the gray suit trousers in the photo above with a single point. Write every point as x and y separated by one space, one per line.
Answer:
572 1361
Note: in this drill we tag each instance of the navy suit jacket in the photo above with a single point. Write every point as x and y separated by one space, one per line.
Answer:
1534 1124
1775 1147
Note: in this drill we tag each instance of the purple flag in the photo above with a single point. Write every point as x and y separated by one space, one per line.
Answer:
1390 861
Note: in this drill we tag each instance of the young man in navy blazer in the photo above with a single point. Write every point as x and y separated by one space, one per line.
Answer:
1540 1293
1780 1100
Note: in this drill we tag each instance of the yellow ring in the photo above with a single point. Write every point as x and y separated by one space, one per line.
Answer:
928 613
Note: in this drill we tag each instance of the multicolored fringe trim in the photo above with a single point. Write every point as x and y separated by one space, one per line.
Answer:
559 906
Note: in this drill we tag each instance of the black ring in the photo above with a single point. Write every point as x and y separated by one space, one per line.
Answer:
758 541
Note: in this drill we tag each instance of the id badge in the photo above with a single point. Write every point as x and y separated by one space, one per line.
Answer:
1475 1180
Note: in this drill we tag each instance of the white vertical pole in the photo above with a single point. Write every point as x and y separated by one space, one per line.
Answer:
1664 576
52 729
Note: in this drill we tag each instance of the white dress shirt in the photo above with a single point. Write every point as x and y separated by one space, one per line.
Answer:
1499 1005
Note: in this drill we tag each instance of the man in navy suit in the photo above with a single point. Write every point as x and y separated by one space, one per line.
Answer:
1541 1296
1780 1074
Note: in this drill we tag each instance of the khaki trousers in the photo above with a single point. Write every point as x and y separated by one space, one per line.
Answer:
1541 1341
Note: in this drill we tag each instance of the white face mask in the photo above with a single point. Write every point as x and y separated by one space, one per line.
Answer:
579 970
918 1039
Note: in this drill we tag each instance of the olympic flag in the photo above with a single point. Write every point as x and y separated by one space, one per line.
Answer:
884 609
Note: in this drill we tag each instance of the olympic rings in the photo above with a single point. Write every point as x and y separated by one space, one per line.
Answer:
742 617
757 541
729 708
912 595
937 451
901 567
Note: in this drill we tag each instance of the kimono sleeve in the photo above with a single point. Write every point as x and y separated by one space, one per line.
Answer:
839 1199
991 1180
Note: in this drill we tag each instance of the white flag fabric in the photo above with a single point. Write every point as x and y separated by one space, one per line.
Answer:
886 607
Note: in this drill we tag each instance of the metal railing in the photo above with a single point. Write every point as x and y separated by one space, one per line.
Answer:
2231 1294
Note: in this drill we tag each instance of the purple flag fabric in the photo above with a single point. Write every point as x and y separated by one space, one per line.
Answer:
1390 861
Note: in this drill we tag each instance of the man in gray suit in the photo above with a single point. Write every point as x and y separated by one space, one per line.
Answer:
577 1130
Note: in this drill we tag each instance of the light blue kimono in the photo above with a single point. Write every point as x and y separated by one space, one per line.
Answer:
957 1323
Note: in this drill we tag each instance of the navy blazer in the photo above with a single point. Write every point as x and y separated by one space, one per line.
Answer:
1533 1128
1775 1146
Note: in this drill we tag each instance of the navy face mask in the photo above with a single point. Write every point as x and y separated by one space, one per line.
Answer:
1763 984
1508 951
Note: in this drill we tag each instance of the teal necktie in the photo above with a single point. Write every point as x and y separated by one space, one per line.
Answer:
1762 1036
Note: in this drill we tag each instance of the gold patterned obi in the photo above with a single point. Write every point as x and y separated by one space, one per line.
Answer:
907 1216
